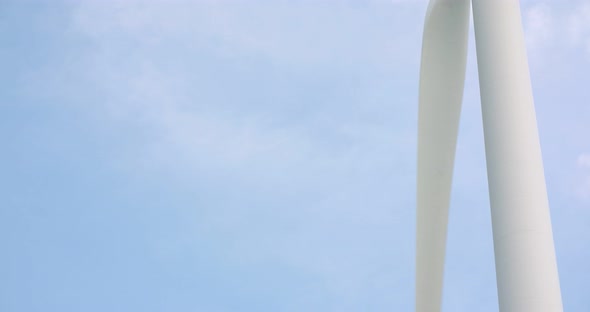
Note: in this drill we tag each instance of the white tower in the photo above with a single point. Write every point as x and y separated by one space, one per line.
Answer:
526 269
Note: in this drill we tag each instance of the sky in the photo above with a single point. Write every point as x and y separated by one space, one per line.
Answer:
221 156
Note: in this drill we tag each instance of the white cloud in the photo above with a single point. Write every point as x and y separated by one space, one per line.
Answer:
578 27
552 26
186 127
582 189
579 22
296 33
584 161
199 122
539 25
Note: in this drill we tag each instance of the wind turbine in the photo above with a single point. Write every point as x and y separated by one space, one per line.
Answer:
526 268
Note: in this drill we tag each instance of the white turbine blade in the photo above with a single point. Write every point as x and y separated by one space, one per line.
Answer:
442 75
526 269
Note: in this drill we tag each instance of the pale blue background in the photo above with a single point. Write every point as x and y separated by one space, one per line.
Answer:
256 156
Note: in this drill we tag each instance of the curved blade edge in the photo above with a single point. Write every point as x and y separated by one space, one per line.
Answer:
442 76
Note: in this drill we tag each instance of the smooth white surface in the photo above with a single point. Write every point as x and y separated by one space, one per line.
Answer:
526 268
442 76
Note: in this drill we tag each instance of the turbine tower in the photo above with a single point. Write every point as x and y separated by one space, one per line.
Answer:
526 268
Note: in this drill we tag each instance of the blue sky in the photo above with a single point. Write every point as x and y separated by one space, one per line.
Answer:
256 156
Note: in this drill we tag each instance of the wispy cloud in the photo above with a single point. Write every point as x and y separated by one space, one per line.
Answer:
300 118
302 33
565 27
578 27
539 25
584 161
213 126
304 105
